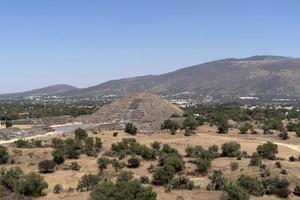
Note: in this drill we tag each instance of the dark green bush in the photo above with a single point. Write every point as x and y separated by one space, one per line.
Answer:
47 166
32 184
218 181
182 182
131 129
163 175
170 124
203 165
80 134
88 182
190 123
268 150
58 156
234 192
297 191
10 177
102 163
58 189
131 190
144 180
4 156
124 176
75 166
134 162
255 160
276 186
251 185
230 149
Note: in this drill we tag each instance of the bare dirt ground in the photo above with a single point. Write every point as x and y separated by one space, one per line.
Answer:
205 136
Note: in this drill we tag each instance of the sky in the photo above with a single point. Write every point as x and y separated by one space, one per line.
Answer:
84 43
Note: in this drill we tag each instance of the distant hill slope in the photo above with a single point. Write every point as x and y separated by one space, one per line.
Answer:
261 76
258 76
50 90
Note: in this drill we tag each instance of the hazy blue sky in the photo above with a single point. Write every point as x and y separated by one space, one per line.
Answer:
86 42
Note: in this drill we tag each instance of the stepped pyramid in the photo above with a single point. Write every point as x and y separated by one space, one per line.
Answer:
145 110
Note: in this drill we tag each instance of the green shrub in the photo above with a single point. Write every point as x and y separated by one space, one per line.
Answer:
218 181
131 129
80 134
47 166
156 145
297 191
124 176
58 156
251 185
163 175
175 161
255 160
58 143
276 186
132 190
245 128
32 184
102 163
144 180
4 156
278 164
267 150
134 162
170 124
234 166
58 189
190 123
88 182
223 127
182 182
75 166
10 177
230 149
203 165
283 135
117 165
234 192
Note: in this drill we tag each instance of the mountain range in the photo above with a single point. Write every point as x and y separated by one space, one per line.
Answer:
260 76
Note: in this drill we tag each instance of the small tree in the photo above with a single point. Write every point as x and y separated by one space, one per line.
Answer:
203 165
230 149
297 191
102 163
131 129
124 176
4 156
80 134
163 175
156 145
75 166
8 124
58 156
234 166
58 189
234 192
32 184
218 181
255 160
223 126
47 166
283 135
252 185
133 162
267 150
88 182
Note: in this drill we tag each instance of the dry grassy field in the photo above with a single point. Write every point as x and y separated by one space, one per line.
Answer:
205 136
